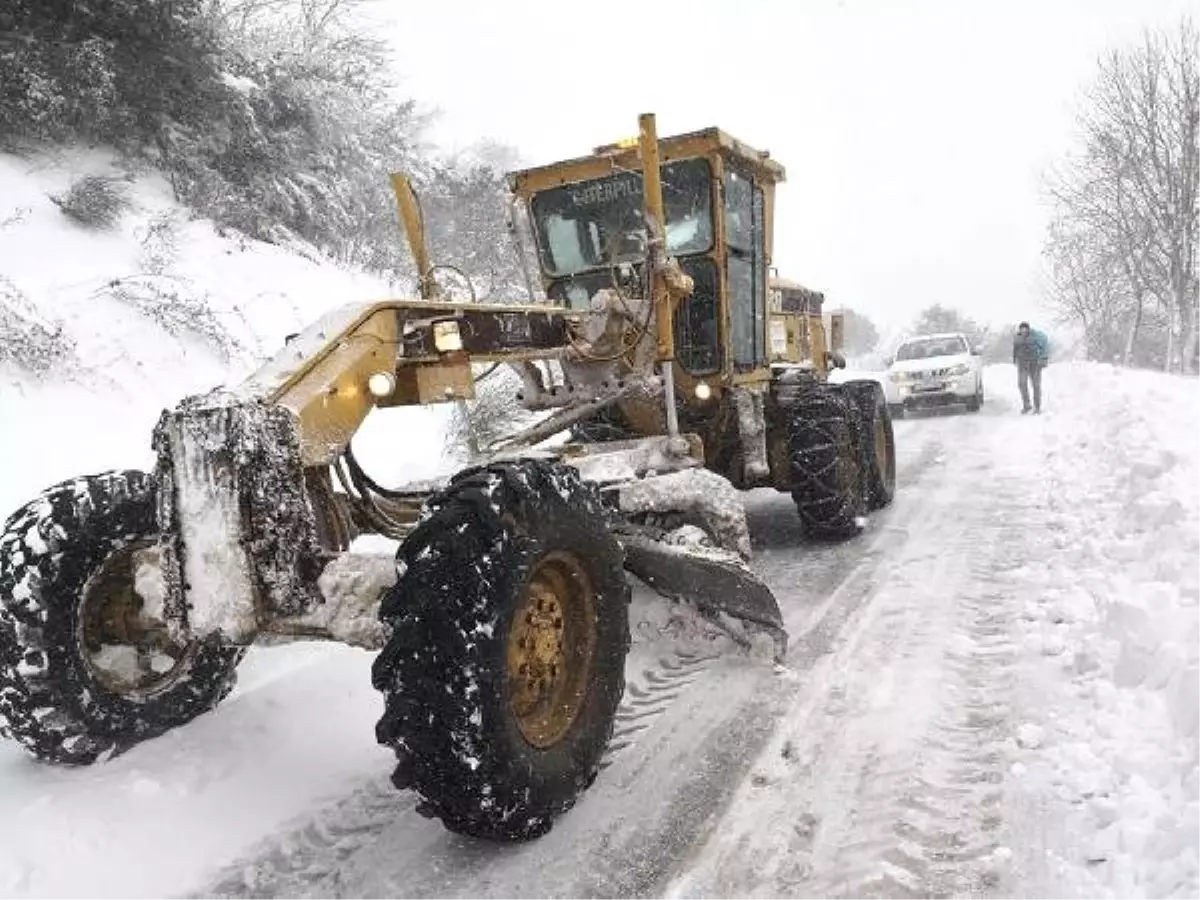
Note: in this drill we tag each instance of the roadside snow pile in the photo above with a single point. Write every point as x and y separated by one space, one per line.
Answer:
101 328
1114 618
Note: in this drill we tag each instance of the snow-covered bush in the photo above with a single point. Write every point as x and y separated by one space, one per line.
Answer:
27 341
160 242
180 312
275 119
110 71
94 201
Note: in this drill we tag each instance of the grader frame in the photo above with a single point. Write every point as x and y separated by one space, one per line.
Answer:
423 351
404 353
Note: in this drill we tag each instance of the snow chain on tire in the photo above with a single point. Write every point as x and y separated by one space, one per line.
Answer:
52 551
826 467
446 671
872 408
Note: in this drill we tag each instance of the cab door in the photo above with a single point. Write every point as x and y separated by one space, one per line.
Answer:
745 266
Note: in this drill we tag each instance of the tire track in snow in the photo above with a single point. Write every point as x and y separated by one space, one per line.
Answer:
932 827
309 854
888 778
927 822
850 632
306 859
648 696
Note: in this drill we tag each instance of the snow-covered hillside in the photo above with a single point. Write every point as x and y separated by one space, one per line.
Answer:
135 318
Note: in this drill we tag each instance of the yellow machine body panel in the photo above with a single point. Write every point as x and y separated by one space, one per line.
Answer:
395 353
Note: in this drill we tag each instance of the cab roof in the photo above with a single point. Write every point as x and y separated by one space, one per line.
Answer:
786 284
624 155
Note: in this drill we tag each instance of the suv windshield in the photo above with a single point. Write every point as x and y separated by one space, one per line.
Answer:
928 347
596 224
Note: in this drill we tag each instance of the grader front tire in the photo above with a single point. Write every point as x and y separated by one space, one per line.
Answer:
509 630
86 669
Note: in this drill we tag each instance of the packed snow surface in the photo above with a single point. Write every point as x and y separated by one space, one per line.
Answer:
1015 713
991 691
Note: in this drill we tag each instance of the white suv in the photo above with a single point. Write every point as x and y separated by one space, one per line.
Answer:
934 370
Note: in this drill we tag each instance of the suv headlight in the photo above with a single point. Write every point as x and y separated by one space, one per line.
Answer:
960 369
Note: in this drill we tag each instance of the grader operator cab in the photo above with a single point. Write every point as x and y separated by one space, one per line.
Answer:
683 374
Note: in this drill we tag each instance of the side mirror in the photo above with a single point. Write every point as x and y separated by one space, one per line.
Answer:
975 351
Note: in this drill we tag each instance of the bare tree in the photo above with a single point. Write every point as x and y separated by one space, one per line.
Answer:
1093 285
1122 246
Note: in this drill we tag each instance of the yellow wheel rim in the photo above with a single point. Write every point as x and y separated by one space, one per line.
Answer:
125 645
881 447
551 645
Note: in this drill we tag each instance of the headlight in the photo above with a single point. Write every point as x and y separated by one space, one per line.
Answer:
898 377
381 384
960 369
446 337
703 391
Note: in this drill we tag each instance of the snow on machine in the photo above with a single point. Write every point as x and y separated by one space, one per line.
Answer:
127 599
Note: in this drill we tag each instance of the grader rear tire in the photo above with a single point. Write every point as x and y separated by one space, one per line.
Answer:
827 474
876 440
86 670
506 661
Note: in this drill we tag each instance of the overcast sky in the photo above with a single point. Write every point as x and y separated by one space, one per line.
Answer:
913 133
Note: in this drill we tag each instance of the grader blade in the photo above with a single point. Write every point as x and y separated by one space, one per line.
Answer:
716 581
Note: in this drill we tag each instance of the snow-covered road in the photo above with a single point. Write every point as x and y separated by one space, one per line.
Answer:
888 775
1013 712
992 691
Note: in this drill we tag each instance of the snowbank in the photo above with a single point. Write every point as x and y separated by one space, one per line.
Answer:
1113 615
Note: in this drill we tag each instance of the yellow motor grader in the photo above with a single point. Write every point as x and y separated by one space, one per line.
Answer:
681 372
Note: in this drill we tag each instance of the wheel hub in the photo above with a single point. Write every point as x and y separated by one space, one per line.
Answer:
123 638
550 647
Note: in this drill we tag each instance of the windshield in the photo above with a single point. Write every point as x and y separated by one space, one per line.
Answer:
596 224
928 347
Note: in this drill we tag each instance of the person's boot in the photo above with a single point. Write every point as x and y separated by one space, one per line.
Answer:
1025 411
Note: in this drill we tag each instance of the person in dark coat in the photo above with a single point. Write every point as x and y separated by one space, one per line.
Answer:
1031 353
